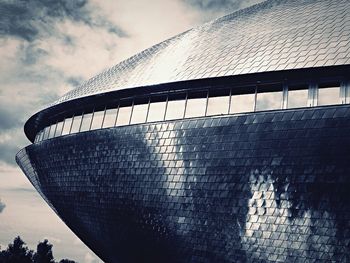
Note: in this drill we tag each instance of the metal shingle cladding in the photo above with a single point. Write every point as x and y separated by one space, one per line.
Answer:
271 36
260 187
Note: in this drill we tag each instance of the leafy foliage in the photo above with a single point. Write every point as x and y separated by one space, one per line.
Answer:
18 252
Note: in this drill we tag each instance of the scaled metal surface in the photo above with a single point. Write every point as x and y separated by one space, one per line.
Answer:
271 36
260 187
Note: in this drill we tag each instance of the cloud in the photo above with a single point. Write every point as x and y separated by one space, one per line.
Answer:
7 152
2 206
7 120
53 240
89 258
215 4
33 19
216 8
45 47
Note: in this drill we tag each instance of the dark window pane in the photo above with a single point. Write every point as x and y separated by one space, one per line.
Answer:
123 116
86 123
66 126
139 113
297 98
59 129
76 124
97 120
328 96
110 118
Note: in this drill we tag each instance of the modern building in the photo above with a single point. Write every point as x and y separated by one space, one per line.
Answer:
227 143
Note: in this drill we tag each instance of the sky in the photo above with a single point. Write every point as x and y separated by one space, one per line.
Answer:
49 47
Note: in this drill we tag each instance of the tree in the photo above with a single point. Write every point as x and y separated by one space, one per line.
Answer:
17 253
44 253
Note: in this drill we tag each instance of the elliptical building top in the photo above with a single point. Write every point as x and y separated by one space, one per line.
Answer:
272 36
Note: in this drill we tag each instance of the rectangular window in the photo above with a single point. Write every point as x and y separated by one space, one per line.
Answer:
218 102
37 137
328 95
124 112
46 133
269 98
52 131
97 119
242 99
196 104
67 125
110 118
76 124
139 112
59 128
41 135
86 123
297 96
156 110
176 106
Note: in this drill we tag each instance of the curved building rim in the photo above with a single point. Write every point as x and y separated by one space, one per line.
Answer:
51 114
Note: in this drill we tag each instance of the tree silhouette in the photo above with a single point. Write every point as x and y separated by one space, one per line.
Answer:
17 252
44 253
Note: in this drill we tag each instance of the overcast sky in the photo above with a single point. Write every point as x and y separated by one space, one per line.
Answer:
48 47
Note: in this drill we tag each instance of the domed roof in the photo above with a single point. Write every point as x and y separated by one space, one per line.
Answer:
272 36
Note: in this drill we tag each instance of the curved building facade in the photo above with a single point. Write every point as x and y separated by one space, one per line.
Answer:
227 143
